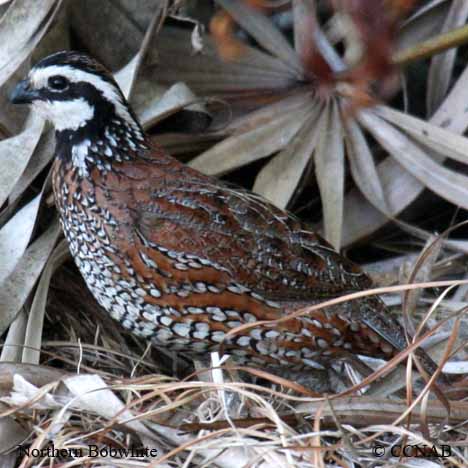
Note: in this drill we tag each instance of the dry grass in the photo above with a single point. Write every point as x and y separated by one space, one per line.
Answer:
109 392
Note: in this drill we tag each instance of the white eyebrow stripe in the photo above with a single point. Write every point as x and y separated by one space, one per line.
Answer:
38 78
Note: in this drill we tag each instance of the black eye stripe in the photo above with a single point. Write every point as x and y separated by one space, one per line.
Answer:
58 83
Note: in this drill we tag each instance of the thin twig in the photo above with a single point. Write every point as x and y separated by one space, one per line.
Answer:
432 46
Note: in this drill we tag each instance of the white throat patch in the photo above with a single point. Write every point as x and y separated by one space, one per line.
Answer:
66 115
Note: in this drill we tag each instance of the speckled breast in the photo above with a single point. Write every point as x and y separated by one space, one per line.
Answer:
108 275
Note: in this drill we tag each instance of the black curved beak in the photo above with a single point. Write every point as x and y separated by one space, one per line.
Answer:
23 94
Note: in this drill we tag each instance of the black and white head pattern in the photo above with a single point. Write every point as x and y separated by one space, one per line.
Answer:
93 121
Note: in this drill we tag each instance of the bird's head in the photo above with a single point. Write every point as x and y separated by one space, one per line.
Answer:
84 103
72 90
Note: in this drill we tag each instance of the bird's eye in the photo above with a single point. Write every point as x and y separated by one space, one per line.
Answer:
57 83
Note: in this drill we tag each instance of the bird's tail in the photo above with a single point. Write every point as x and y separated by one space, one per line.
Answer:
375 315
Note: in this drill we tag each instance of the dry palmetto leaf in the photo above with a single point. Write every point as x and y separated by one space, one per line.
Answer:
289 165
12 347
21 28
440 71
16 152
329 164
33 330
42 155
385 188
15 236
132 62
448 184
17 287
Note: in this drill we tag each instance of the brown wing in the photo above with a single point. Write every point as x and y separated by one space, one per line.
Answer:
257 244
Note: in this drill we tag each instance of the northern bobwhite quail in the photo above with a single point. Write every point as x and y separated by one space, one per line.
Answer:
181 258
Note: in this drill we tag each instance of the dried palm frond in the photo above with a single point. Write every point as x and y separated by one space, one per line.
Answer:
318 110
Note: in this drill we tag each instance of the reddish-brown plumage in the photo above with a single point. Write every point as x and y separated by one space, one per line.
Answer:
157 201
183 259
